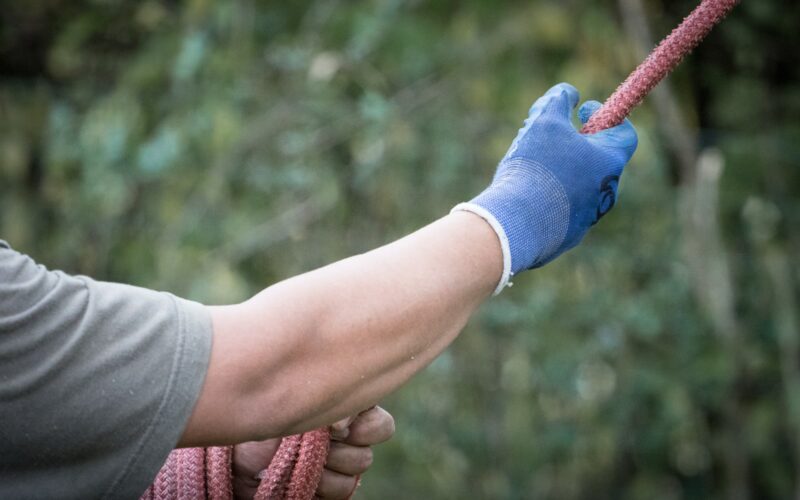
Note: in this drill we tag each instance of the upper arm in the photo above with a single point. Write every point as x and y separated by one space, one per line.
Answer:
328 343
244 396
218 415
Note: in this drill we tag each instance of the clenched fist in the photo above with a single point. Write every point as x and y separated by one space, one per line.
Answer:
350 455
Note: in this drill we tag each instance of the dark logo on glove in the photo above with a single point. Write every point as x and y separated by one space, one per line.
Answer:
608 196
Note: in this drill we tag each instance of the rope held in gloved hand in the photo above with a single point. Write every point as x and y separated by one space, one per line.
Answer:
661 61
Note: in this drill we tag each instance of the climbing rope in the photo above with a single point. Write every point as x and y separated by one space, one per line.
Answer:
661 61
296 468
197 473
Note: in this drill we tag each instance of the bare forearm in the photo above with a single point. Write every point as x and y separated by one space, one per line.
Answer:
331 342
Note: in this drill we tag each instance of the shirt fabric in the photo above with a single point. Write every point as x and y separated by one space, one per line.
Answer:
97 381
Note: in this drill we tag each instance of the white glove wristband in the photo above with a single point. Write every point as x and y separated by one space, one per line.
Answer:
501 235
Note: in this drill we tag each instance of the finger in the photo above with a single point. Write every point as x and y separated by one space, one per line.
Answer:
374 426
348 459
247 461
244 487
341 429
336 486
250 458
587 109
623 137
559 101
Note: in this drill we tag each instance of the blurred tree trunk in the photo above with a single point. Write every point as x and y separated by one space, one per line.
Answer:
787 325
698 177
762 218
712 282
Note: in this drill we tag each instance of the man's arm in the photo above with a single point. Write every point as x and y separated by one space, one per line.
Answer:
326 344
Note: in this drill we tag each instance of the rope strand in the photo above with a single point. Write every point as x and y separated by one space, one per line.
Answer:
293 474
661 61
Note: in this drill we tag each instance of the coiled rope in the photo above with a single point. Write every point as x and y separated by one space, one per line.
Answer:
205 473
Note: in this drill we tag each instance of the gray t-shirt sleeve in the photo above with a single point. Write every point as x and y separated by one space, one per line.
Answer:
97 381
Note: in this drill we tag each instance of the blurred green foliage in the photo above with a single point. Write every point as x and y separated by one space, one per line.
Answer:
211 148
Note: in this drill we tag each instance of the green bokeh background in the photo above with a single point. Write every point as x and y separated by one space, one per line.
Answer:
211 148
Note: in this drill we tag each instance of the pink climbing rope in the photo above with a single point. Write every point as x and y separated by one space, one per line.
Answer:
197 473
661 61
194 473
296 468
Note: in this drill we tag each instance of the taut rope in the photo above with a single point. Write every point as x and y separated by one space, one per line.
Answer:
661 61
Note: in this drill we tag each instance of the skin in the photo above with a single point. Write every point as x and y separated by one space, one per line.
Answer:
331 342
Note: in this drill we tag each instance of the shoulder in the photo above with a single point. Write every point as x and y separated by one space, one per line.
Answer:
95 373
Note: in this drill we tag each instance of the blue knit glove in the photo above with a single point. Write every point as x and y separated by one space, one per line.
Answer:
554 183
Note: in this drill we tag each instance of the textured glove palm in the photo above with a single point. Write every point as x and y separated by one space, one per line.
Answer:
554 183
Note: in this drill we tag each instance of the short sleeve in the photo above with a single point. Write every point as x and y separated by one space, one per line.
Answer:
97 381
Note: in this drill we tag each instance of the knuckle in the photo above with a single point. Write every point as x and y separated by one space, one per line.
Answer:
335 486
366 459
389 427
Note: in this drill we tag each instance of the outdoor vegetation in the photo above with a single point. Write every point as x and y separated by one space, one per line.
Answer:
211 148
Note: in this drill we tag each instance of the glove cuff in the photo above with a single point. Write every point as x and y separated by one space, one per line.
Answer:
501 235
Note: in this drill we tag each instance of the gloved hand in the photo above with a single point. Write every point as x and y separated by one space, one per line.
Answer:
554 183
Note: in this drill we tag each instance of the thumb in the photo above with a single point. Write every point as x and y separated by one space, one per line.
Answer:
622 138
587 109
341 429
559 100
